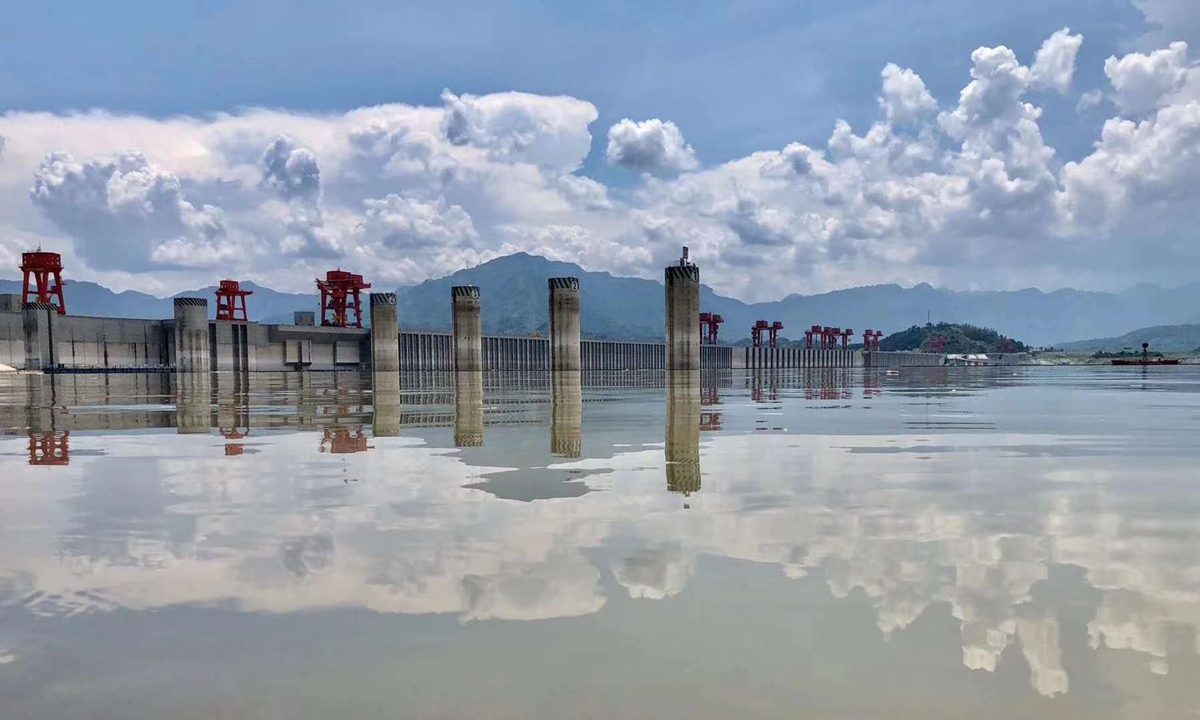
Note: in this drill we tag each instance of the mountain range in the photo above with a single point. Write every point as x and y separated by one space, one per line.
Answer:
513 288
1164 338
89 298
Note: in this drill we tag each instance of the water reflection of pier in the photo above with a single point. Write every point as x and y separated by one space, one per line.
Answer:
683 432
235 405
566 415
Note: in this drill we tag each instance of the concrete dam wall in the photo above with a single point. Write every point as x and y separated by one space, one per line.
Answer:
767 358
882 359
36 338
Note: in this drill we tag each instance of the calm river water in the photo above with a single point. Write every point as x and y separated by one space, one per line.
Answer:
984 543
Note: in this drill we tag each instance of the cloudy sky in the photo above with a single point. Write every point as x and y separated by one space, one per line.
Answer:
796 147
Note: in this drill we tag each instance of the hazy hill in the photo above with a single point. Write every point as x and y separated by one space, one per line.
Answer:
514 293
514 290
515 302
1166 338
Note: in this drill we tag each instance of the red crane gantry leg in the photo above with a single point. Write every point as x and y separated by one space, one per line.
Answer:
45 270
710 324
756 331
774 331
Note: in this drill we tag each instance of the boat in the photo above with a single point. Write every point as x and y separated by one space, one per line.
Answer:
1145 360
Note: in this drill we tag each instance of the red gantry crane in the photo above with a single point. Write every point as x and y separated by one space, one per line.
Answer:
756 331
772 330
231 301
45 270
341 297
710 324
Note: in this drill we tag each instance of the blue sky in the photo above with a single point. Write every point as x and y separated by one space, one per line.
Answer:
737 76
735 79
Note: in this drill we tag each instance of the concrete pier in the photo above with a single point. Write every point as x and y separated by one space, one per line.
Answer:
385 333
191 335
38 325
683 432
564 325
468 409
468 331
566 414
385 365
682 290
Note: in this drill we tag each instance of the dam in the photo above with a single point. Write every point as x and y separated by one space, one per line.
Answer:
34 337
37 334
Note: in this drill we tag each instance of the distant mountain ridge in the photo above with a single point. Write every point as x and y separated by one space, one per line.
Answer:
89 298
1164 338
514 303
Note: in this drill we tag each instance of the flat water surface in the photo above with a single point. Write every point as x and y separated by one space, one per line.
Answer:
942 543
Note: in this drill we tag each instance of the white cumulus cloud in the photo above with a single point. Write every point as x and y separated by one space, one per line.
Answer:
127 212
550 132
973 194
290 171
904 97
1054 64
1142 82
649 146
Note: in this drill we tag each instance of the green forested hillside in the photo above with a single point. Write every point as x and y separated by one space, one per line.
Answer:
951 338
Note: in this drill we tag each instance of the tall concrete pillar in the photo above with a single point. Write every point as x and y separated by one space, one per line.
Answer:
468 409
385 335
566 414
683 432
564 325
683 308
38 324
191 335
